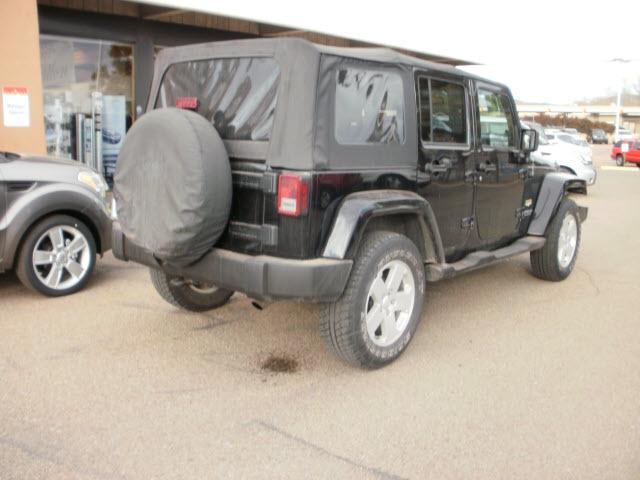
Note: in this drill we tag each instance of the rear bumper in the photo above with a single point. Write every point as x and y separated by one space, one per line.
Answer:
261 277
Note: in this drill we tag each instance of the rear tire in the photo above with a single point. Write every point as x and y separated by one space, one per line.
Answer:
374 320
187 295
555 261
620 160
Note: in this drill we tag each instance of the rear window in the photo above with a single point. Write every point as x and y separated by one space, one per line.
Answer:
237 95
369 107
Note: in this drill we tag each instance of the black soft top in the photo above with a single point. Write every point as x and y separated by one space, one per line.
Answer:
303 94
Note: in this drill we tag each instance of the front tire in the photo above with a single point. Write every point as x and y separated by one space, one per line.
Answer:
555 261
374 320
57 256
620 160
187 295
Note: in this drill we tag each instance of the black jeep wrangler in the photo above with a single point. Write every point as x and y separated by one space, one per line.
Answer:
349 177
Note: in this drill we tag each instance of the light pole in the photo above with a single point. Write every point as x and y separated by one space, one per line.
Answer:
618 101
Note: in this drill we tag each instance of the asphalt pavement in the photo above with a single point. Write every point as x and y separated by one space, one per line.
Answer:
507 377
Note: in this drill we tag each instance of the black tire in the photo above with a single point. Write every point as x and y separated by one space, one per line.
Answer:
188 296
620 160
343 322
26 271
545 263
638 165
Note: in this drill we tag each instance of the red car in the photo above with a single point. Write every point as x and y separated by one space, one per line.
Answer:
632 154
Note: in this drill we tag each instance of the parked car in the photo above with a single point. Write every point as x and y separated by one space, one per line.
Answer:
573 132
599 136
623 134
421 201
53 221
626 151
556 136
566 155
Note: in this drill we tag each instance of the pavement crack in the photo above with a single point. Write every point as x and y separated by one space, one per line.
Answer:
51 457
591 280
301 441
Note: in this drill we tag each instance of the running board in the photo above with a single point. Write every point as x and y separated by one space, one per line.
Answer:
482 258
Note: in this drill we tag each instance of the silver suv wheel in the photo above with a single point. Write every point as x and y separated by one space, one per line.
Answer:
61 258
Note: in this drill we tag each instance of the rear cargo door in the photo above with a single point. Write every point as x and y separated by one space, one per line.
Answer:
238 96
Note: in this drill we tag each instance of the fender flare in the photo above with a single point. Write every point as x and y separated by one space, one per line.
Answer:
553 189
358 209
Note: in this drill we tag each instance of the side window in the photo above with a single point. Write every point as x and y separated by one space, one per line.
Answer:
496 119
369 107
443 111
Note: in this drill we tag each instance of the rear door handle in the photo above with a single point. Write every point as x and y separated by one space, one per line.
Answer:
443 165
487 167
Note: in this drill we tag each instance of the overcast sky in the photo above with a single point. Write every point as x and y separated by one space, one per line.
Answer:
545 50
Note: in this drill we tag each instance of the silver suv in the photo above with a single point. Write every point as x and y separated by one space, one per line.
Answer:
53 221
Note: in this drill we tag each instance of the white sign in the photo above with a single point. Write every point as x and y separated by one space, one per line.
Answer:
15 106
624 147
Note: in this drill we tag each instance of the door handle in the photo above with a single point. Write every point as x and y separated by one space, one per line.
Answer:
487 167
442 166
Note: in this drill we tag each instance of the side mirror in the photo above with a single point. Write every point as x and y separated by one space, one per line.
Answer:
528 140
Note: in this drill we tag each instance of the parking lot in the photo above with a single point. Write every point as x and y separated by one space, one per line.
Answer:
507 377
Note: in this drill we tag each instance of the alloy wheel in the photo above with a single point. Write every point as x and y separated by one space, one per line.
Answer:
567 240
61 257
390 303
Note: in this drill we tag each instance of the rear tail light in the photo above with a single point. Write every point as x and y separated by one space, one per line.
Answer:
293 195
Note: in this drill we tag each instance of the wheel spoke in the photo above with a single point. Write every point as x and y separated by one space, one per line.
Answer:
389 326
77 245
74 268
54 276
57 237
403 301
378 289
394 278
42 257
374 319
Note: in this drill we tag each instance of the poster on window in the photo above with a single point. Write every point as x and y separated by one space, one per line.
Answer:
114 128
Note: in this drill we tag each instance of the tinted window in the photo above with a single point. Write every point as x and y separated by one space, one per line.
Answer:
238 95
369 107
443 112
425 109
496 119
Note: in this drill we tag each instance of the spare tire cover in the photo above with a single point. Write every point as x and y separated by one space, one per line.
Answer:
173 185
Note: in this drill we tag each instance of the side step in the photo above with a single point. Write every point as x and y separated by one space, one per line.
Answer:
482 258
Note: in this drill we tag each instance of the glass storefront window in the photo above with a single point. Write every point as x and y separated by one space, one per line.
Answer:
88 98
